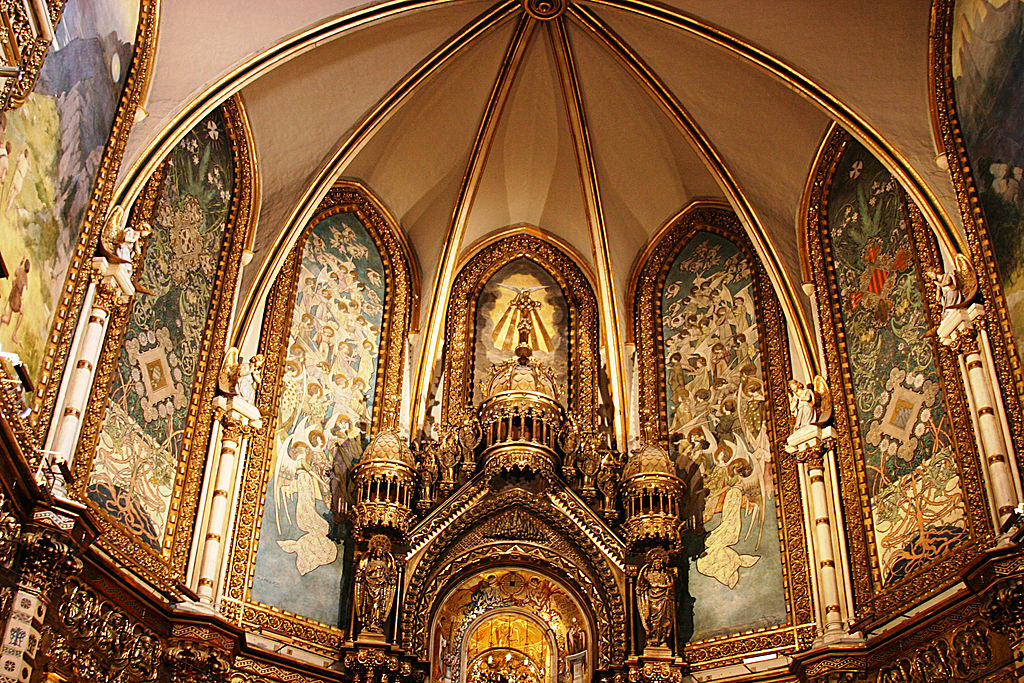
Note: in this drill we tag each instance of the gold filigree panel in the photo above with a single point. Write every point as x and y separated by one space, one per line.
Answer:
346 197
1003 343
166 567
648 285
460 332
76 280
875 602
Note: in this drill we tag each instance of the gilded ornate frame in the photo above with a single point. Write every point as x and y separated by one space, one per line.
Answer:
345 197
566 553
873 602
583 323
62 330
649 282
168 566
1005 358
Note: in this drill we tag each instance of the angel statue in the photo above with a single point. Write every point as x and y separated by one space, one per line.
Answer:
656 597
810 404
118 244
955 288
240 377
376 581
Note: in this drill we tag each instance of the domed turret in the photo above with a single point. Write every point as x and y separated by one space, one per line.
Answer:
384 481
520 415
651 494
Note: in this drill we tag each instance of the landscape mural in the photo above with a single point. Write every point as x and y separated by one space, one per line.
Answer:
50 153
716 415
497 321
326 405
917 505
988 70
137 453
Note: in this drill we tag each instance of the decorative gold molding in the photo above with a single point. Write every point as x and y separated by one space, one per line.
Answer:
168 566
76 281
24 44
774 350
237 603
460 331
875 603
1002 340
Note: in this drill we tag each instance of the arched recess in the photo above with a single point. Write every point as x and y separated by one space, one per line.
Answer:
146 431
907 460
582 325
991 218
707 324
516 528
333 340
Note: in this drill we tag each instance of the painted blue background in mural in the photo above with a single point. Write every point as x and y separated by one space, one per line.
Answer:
716 419
327 397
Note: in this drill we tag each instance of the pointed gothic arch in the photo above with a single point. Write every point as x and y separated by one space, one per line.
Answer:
716 239
353 248
858 262
150 413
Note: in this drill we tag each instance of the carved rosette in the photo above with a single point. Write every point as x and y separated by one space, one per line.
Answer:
385 481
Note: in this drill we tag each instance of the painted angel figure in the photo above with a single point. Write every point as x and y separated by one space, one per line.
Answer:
376 580
656 597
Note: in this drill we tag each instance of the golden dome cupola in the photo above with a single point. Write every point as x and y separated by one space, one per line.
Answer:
520 415
385 482
652 495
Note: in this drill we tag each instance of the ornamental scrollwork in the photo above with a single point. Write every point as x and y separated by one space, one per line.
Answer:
24 43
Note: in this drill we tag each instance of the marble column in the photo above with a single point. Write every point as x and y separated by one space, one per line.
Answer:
238 418
962 330
810 445
112 286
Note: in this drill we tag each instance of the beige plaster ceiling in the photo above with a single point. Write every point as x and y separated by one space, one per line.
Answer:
678 102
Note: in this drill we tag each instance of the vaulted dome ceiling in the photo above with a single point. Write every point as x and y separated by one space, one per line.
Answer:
597 126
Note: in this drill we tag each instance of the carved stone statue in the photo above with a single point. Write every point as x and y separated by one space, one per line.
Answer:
608 482
427 471
656 597
810 403
955 288
240 377
119 244
376 581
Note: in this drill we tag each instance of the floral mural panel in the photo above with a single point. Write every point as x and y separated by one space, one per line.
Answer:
988 69
499 313
715 402
50 153
326 405
488 613
916 500
141 440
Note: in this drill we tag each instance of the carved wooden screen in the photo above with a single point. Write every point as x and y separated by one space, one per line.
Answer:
146 432
333 337
906 453
714 362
